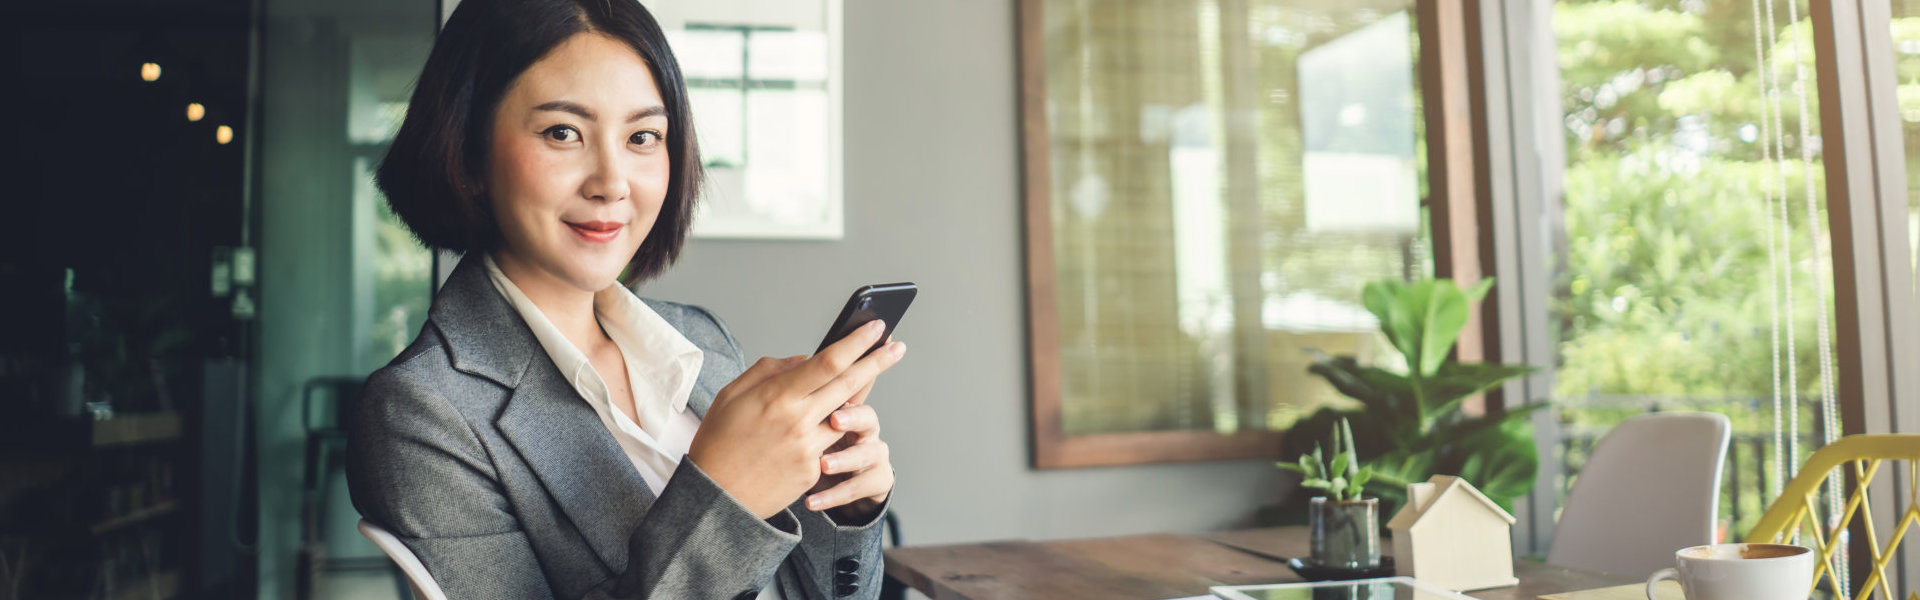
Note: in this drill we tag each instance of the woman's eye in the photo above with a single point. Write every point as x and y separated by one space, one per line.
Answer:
646 138
561 133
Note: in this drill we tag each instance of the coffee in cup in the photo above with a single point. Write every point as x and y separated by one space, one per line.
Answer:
1741 572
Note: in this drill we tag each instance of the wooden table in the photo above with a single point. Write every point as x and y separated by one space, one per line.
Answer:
1153 567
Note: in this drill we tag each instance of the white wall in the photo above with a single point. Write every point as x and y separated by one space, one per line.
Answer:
933 196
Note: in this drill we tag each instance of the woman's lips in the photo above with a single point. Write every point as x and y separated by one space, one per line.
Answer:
599 232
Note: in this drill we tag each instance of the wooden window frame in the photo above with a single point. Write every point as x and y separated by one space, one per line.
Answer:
1456 145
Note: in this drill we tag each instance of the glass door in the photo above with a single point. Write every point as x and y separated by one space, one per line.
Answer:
344 287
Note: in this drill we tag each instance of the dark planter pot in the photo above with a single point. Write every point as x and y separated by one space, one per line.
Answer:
1346 535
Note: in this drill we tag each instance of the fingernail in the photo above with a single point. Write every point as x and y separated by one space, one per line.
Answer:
814 502
899 348
830 465
873 328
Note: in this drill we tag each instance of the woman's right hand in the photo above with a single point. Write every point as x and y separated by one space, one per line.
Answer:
762 439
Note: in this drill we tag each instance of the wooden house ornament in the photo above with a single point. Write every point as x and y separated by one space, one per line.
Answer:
1450 535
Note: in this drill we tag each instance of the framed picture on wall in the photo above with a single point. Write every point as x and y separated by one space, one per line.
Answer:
764 77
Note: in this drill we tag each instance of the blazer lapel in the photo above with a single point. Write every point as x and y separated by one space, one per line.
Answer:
577 460
559 435
703 392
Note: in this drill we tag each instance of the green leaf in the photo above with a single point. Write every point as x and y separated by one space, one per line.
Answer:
1378 298
1338 487
1310 468
1359 481
1388 398
1479 290
1446 311
1290 467
1353 467
1405 318
1500 460
1338 448
1339 467
1464 429
1455 382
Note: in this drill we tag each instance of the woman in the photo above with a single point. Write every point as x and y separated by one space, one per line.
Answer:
549 434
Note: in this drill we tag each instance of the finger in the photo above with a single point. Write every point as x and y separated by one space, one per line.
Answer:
838 391
860 420
833 361
870 484
860 397
856 458
762 370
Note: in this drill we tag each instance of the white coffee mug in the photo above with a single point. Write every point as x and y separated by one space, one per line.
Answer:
1741 572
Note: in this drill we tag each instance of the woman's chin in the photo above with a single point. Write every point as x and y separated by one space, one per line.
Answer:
596 278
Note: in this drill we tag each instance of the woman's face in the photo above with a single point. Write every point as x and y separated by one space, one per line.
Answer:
579 165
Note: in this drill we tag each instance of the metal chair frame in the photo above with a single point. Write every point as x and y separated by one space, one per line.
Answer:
1797 509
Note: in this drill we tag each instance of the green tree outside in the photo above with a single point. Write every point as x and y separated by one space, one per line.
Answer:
1664 297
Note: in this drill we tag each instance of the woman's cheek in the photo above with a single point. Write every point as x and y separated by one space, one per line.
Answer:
531 165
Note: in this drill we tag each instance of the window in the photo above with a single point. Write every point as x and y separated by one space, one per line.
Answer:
1696 272
1906 46
1210 184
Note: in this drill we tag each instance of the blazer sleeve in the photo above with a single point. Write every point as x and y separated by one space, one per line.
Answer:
416 467
837 560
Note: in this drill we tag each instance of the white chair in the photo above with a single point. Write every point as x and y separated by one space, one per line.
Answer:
1651 487
424 587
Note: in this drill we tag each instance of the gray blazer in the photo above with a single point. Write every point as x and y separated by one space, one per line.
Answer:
474 450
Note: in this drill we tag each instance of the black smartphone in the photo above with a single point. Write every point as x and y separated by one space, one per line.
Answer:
884 302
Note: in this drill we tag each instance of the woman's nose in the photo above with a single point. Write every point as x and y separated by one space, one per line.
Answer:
607 182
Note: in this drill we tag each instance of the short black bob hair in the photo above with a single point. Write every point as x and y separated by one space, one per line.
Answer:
434 174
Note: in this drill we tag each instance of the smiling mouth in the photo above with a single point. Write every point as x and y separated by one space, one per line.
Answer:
596 231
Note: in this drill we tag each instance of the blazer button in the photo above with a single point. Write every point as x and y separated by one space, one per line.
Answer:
845 590
847 578
847 564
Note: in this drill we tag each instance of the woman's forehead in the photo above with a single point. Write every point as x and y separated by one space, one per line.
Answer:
592 70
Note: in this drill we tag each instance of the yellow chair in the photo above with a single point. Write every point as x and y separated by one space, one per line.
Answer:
1794 510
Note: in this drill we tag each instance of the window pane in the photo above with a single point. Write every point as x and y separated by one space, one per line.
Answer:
1696 269
788 56
787 178
720 113
1906 48
1225 178
708 53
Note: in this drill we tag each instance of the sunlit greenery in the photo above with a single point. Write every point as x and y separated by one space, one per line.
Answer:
1664 296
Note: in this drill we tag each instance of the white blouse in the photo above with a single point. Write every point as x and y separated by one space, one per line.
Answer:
658 436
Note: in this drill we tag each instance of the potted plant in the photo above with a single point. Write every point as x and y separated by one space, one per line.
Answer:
1411 423
1346 526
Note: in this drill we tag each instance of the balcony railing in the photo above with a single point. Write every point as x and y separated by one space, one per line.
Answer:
1747 478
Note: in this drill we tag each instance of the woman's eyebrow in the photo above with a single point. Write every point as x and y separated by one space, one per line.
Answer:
588 114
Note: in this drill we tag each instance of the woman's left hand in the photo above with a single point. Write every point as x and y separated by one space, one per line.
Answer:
856 473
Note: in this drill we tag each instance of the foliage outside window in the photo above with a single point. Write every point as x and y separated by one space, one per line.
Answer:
1686 227
1906 45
